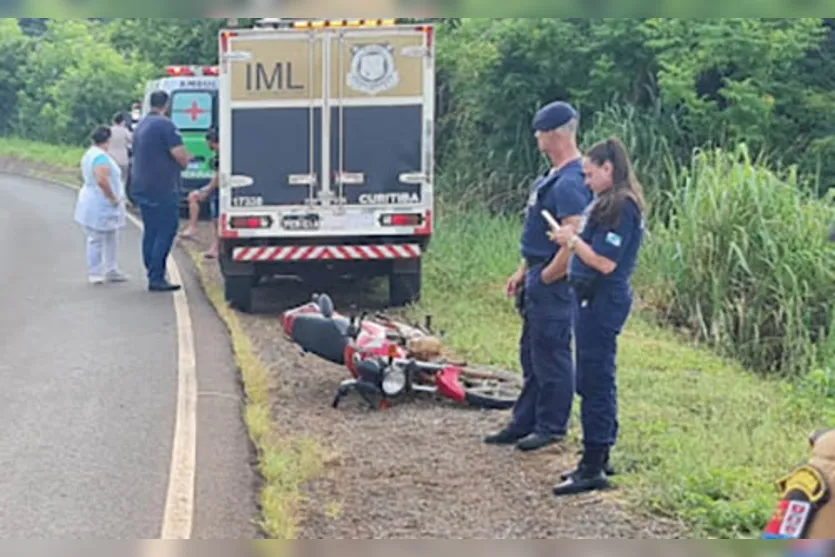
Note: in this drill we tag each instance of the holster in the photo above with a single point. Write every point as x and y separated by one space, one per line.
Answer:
583 288
520 300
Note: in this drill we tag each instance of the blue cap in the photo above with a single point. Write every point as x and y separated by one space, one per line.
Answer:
553 116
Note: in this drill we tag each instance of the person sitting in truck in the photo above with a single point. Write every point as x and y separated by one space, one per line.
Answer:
208 193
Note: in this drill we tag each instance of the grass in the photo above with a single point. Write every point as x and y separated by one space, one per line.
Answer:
702 439
61 156
51 162
744 261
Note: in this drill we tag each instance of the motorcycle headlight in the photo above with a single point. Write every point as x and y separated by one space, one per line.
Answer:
394 381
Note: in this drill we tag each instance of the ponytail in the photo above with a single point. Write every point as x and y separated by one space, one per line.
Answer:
625 185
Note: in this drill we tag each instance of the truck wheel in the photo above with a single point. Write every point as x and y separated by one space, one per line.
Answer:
404 287
239 292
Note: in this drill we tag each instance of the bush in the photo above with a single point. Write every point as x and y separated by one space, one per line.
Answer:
75 81
744 262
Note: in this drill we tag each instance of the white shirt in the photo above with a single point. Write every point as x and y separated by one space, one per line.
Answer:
120 141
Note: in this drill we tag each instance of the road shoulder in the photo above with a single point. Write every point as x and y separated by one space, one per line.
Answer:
226 483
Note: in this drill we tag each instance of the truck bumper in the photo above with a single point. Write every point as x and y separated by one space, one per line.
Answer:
289 254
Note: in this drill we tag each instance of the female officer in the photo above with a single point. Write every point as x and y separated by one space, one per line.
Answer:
603 259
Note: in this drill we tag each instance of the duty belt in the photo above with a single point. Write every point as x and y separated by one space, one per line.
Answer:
534 261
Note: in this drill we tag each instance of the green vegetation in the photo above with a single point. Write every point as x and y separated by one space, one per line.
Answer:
63 157
730 124
702 439
744 263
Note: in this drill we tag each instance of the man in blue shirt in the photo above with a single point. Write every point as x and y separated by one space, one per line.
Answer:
159 157
541 415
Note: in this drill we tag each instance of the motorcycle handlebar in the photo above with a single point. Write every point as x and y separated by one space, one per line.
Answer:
421 366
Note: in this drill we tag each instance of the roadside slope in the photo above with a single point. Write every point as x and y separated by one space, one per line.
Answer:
702 440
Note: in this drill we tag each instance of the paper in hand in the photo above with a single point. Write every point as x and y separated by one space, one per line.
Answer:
551 220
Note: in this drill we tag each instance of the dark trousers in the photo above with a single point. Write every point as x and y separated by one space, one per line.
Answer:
161 221
544 407
598 324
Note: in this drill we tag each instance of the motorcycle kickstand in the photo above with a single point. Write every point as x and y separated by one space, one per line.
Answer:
341 393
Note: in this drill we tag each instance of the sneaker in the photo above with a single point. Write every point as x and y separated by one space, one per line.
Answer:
164 287
96 279
117 276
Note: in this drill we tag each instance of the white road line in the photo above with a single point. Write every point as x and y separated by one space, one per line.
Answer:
178 516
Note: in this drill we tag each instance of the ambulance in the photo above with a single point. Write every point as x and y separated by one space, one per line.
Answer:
326 153
194 110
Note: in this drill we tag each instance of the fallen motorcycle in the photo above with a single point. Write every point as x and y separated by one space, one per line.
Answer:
389 360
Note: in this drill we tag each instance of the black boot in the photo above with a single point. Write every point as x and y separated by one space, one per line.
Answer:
589 476
507 436
608 469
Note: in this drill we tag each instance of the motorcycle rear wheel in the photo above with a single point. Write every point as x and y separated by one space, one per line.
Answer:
491 389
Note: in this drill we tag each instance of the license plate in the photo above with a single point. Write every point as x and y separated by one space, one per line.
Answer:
301 222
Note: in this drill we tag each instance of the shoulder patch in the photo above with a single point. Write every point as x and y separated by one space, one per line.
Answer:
614 239
789 520
807 480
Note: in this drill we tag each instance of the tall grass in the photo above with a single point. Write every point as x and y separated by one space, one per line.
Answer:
737 252
743 262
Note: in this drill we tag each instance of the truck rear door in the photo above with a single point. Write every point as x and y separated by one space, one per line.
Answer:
368 91
380 96
271 103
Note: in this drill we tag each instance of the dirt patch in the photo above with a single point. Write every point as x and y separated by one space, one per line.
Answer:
418 470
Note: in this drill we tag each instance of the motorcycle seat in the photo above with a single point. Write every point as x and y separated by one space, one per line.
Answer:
322 336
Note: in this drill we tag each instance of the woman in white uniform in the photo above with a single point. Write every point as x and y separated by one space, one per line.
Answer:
100 209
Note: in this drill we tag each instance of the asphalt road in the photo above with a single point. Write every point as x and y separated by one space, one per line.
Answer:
88 387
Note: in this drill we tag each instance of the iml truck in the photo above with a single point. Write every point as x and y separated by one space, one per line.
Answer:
326 153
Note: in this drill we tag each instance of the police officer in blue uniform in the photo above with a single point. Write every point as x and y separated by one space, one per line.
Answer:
544 297
604 255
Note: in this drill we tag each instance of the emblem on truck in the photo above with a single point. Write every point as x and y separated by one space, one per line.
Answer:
373 69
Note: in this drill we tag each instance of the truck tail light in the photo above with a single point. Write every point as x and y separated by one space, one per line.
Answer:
250 223
225 37
402 219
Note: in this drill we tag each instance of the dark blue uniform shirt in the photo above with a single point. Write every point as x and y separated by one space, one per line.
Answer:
619 244
156 176
563 194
